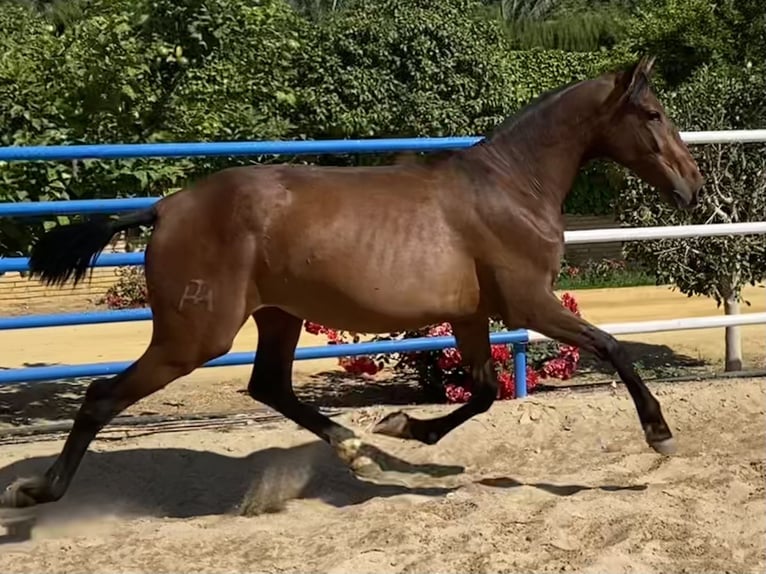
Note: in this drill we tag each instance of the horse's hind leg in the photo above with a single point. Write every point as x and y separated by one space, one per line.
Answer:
181 342
271 384
472 338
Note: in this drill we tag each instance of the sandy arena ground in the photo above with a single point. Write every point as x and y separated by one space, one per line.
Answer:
558 482
555 483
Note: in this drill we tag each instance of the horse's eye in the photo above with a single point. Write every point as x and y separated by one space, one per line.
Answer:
654 116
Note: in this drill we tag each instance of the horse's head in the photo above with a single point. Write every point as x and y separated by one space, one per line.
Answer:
639 135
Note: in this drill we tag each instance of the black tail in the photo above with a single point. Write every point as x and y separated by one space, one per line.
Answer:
69 250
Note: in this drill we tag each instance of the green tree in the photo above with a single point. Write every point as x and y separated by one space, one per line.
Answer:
576 25
409 68
29 114
138 72
317 9
716 98
687 34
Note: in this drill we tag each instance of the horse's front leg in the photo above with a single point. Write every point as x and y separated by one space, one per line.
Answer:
472 338
545 314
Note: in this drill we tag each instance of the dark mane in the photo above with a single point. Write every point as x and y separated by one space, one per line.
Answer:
530 109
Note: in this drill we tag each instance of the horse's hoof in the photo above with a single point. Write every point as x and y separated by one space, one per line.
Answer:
665 447
22 492
659 437
348 449
396 425
365 467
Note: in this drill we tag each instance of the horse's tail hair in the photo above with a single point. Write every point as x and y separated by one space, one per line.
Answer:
67 251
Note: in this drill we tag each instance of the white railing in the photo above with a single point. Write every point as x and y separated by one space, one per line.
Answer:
662 232
725 136
684 324
670 232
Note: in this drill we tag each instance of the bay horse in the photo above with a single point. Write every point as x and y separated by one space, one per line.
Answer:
477 233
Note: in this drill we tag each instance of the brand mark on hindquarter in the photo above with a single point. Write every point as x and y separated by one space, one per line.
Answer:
195 292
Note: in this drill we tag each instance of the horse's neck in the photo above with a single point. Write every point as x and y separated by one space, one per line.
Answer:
539 158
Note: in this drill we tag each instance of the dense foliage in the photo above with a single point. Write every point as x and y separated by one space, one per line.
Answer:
138 71
712 76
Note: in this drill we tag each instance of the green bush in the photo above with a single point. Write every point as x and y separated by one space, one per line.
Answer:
138 71
413 68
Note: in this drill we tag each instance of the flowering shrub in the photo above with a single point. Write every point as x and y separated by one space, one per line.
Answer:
441 373
129 292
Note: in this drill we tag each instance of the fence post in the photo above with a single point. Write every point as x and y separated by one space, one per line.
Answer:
520 369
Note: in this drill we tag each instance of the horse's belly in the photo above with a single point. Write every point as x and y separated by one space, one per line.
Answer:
375 262
362 300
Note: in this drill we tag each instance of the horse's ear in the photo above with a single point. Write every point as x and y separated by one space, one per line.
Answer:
635 80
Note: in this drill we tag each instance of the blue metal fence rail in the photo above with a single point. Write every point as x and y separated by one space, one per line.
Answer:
75 206
72 319
231 148
517 339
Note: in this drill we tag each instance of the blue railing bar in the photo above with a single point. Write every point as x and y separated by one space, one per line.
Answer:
231 148
57 372
67 319
104 260
75 206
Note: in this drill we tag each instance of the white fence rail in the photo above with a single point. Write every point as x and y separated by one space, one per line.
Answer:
671 232
663 232
726 136
663 325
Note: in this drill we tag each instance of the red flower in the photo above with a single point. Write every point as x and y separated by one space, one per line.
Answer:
501 353
449 359
359 365
563 366
445 368
439 330
313 328
506 387
569 302
456 393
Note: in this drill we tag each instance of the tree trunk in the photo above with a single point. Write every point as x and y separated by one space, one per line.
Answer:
733 337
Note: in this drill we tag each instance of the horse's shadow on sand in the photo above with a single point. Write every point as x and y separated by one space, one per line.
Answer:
182 483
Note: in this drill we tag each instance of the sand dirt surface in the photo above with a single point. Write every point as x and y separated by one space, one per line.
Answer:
557 482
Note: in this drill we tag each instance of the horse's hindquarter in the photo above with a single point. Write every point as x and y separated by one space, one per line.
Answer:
366 250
